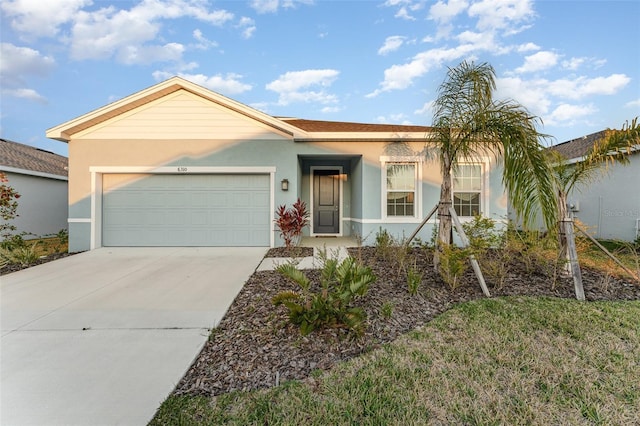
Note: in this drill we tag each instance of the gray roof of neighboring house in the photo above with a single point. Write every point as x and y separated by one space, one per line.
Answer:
578 148
25 157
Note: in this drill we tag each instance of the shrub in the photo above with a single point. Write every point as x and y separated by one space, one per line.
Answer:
491 247
340 284
23 256
386 310
384 244
8 207
453 263
414 279
12 242
392 250
291 221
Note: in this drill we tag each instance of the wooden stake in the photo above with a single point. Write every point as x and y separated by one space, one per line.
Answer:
567 224
433 210
472 258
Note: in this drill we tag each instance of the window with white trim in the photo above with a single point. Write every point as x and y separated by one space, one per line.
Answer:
467 190
401 187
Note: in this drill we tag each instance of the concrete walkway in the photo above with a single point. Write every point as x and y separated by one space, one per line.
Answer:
102 338
315 262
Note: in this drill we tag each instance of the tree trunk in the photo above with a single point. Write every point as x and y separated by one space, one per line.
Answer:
444 228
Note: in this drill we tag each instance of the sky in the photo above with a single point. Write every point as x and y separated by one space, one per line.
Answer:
573 64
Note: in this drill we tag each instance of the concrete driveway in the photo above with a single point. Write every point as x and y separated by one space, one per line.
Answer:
102 337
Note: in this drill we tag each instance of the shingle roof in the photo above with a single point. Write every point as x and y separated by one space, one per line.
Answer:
578 148
25 157
339 126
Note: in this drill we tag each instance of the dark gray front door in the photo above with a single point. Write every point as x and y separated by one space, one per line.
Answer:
326 201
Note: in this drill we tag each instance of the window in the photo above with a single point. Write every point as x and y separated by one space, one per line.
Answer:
467 190
401 189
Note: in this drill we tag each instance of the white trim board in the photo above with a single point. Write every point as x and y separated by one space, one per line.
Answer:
185 169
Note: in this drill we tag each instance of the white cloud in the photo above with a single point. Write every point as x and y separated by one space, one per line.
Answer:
28 94
530 93
567 114
248 27
538 61
148 54
265 6
398 77
290 86
19 62
403 13
507 15
37 18
295 80
391 44
574 63
405 8
229 84
549 99
128 35
633 104
444 12
581 87
272 6
203 42
527 47
426 110
330 109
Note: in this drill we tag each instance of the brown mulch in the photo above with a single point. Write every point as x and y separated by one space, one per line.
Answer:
14 267
290 252
256 347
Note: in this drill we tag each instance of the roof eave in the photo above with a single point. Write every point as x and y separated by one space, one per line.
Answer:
364 137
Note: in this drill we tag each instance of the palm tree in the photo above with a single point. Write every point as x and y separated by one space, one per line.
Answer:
469 123
613 147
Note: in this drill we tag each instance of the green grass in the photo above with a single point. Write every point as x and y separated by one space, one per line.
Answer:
509 361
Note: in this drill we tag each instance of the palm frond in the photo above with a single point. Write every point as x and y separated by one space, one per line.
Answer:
294 274
614 147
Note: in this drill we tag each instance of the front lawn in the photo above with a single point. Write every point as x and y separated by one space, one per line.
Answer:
512 360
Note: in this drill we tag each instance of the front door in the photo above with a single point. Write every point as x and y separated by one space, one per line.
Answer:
326 201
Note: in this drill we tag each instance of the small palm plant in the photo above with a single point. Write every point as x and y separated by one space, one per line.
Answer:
330 307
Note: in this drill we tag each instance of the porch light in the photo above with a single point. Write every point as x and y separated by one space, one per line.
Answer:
284 184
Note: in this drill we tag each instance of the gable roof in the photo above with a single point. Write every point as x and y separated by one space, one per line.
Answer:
578 148
293 128
18 157
64 131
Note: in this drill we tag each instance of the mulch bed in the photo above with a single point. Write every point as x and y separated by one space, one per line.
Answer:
256 347
292 252
44 259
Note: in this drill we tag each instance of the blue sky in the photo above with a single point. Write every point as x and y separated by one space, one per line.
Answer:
575 64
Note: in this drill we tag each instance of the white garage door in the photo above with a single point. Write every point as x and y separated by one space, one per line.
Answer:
185 210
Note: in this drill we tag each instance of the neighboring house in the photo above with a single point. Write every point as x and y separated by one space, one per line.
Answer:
179 165
40 177
609 206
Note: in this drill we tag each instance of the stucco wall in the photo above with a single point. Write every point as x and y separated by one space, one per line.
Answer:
42 206
610 205
361 162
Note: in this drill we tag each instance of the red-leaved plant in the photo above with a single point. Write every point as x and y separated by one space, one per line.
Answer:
291 221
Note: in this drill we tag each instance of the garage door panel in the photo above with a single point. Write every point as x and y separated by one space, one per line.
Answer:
186 210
